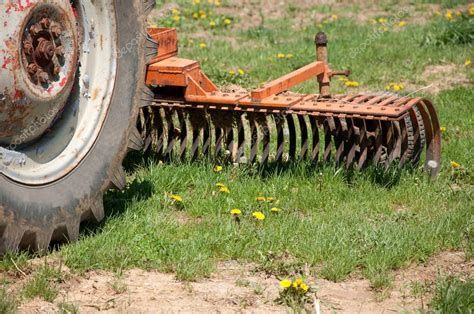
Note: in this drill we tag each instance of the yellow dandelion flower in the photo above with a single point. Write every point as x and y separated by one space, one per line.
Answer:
202 45
442 129
294 285
467 62
270 199
449 15
220 185
260 199
343 78
471 10
299 281
398 87
454 164
281 56
235 212
195 15
304 287
241 72
350 83
203 16
334 17
285 283
227 21
382 20
218 168
175 11
224 189
212 24
176 198
289 56
232 72
275 210
196 1
258 215
176 18
402 24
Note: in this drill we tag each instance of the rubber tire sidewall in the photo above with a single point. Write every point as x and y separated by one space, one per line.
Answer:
45 208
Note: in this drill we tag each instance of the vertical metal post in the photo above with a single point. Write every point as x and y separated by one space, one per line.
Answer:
321 42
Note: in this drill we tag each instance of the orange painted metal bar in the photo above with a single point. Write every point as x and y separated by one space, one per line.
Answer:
288 81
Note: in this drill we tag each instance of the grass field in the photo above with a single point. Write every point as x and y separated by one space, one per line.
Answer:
335 222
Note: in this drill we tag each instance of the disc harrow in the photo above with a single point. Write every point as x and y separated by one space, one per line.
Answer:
188 117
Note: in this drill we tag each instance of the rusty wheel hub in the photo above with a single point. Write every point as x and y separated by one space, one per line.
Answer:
43 51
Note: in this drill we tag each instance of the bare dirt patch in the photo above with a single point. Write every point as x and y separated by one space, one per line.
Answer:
442 77
239 288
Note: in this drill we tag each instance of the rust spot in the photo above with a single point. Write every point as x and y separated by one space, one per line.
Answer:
95 93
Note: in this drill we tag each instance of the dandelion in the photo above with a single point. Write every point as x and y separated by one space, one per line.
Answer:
299 281
285 283
471 10
241 72
224 189
212 24
289 56
196 2
220 185
202 45
270 199
350 83
176 198
304 287
382 20
334 17
281 56
275 210
176 18
343 78
260 199
232 72
227 21
442 129
258 215
394 86
449 15
455 165
175 11
402 24
235 212
218 168
195 15
467 62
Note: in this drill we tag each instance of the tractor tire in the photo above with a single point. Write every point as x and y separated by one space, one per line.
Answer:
33 216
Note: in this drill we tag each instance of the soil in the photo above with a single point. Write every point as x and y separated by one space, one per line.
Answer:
237 287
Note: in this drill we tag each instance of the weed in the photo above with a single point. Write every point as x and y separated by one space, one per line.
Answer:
43 283
68 308
295 293
8 303
453 295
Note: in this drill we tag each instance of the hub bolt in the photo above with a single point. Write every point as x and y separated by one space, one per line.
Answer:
35 29
28 47
42 76
32 68
45 23
59 51
55 30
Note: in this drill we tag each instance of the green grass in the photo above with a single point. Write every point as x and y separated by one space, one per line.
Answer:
337 222
8 302
453 295
43 284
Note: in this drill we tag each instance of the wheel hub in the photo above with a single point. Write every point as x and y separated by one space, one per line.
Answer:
43 58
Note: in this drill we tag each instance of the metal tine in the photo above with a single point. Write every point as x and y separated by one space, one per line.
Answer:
241 139
328 126
171 133
341 126
196 118
387 141
404 142
145 127
206 138
378 143
219 141
253 140
158 127
397 147
392 143
353 142
229 137
266 140
315 136
417 138
364 148
183 135
292 136
304 137
280 138
430 136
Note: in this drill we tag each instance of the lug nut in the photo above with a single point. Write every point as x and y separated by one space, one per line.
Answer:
28 47
59 51
35 29
55 30
45 23
32 68
42 76
57 70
